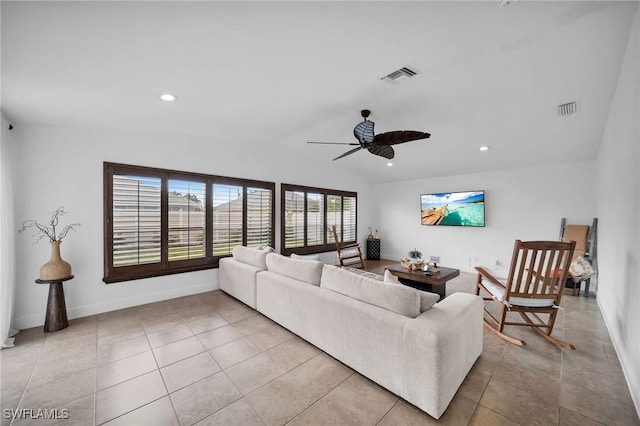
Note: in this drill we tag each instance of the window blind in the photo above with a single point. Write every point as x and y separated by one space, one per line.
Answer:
186 219
349 219
294 208
228 211
136 220
259 215
315 219
334 216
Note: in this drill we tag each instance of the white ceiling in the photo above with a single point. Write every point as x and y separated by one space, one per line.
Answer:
289 72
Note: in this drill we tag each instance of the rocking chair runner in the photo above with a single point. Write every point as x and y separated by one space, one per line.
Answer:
348 254
534 287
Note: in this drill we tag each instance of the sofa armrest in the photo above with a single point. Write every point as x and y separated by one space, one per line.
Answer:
439 348
238 279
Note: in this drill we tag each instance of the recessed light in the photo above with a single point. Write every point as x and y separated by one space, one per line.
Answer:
483 148
168 97
389 164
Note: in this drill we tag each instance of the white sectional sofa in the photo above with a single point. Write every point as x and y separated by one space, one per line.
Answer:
388 332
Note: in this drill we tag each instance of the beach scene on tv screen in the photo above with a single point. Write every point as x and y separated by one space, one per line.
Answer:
453 208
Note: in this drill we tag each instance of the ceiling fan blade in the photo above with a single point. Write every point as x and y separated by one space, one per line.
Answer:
336 143
382 151
399 136
348 153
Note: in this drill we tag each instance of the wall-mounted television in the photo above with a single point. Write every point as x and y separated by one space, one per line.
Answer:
452 208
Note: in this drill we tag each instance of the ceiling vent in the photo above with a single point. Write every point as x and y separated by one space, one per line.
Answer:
505 3
567 109
401 74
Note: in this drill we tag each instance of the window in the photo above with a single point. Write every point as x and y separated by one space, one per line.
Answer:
160 222
308 214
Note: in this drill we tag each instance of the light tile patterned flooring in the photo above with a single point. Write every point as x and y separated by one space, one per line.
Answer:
208 359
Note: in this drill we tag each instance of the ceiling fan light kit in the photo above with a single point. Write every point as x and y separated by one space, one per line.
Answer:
379 144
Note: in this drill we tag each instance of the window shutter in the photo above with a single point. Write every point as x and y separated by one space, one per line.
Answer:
315 219
228 213
334 216
186 219
349 221
136 220
259 208
293 219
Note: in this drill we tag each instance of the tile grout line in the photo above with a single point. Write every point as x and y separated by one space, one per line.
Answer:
35 364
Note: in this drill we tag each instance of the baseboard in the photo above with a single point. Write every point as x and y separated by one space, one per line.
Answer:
31 321
635 396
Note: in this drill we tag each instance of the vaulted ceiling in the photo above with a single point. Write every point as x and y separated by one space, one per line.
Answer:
289 72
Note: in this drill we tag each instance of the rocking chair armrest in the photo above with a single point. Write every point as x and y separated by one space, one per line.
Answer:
488 276
556 273
351 245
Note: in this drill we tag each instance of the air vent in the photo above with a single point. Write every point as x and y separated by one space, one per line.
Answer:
505 3
401 74
568 108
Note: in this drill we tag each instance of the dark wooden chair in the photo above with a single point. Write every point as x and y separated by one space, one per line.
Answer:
348 254
533 289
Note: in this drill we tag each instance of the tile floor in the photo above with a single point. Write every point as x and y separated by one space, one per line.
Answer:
208 359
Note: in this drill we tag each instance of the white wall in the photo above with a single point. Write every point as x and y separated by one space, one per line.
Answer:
63 166
618 188
525 204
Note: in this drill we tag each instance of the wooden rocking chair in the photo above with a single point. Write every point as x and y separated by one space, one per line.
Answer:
348 254
534 287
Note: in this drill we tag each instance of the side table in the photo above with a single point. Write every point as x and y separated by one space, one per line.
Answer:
373 249
56 318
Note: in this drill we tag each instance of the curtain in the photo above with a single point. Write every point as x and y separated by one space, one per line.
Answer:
8 232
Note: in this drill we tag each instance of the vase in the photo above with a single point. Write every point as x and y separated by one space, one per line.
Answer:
55 268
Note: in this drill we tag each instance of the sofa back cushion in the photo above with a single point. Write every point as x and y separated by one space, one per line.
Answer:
396 298
308 271
250 256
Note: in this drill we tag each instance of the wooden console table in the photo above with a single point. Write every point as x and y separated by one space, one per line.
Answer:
434 282
56 318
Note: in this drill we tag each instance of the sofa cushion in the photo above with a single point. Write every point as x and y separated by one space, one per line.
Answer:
427 300
396 298
308 271
250 256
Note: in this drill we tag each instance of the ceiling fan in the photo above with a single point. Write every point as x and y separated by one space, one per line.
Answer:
379 144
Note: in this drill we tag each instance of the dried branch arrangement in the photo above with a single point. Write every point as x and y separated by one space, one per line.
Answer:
50 232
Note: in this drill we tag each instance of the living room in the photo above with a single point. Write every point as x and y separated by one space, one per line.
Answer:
587 168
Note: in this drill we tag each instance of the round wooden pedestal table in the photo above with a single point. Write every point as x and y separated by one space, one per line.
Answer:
56 318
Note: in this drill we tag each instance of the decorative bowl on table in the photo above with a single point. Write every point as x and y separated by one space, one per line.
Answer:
405 262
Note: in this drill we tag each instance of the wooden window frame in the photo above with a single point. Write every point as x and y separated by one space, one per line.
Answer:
329 243
165 267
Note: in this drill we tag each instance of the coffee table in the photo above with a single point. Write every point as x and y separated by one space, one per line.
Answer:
434 282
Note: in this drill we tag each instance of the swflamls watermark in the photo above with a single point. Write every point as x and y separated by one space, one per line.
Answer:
36 413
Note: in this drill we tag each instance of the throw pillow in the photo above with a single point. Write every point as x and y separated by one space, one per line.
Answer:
390 278
305 256
427 300
581 269
268 249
